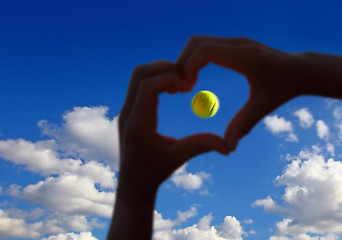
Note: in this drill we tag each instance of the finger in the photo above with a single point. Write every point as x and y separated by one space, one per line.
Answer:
244 59
194 145
248 116
196 41
146 100
192 44
239 59
140 72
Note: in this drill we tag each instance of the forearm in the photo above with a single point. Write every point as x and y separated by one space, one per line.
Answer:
133 212
321 75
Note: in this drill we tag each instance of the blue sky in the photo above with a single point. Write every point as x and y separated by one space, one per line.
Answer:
64 71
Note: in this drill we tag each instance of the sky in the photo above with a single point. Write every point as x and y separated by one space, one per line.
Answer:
64 71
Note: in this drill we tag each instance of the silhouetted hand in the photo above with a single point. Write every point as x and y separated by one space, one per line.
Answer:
272 75
145 154
146 157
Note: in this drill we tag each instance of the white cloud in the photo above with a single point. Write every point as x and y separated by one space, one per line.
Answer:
14 190
73 236
322 130
18 223
97 172
79 182
188 181
160 223
307 237
229 229
279 125
339 134
305 117
292 137
28 215
312 199
58 222
42 157
88 133
331 149
269 205
337 113
18 228
167 224
184 216
298 237
70 194
248 221
39 157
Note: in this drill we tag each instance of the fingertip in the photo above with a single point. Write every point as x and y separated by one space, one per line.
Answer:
232 142
224 151
222 148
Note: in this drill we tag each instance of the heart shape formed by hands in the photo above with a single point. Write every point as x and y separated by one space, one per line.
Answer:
268 71
143 150
148 158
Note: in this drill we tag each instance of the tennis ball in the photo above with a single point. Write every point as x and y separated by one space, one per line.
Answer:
205 104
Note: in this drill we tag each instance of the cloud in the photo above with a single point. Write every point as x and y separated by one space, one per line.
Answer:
322 130
14 190
229 229
331 149
59 222
337 113
18 228
269 205
305 118
28 215
339 134
39 157
188 181
42 157
313 198
160 224
20 223
74 236
70 194
87 133
306 237
248 221
279 125
338 117
167 224
77 164
184 216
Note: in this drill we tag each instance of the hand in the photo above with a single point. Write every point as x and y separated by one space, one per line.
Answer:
272 76
148 158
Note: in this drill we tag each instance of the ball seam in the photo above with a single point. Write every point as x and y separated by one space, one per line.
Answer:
212 108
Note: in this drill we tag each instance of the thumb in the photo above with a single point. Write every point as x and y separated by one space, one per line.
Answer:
245 119
196 144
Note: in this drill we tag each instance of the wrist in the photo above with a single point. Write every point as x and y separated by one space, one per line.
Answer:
321 74
134 205
132 189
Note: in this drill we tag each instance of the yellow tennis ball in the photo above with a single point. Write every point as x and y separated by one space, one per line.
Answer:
205 104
